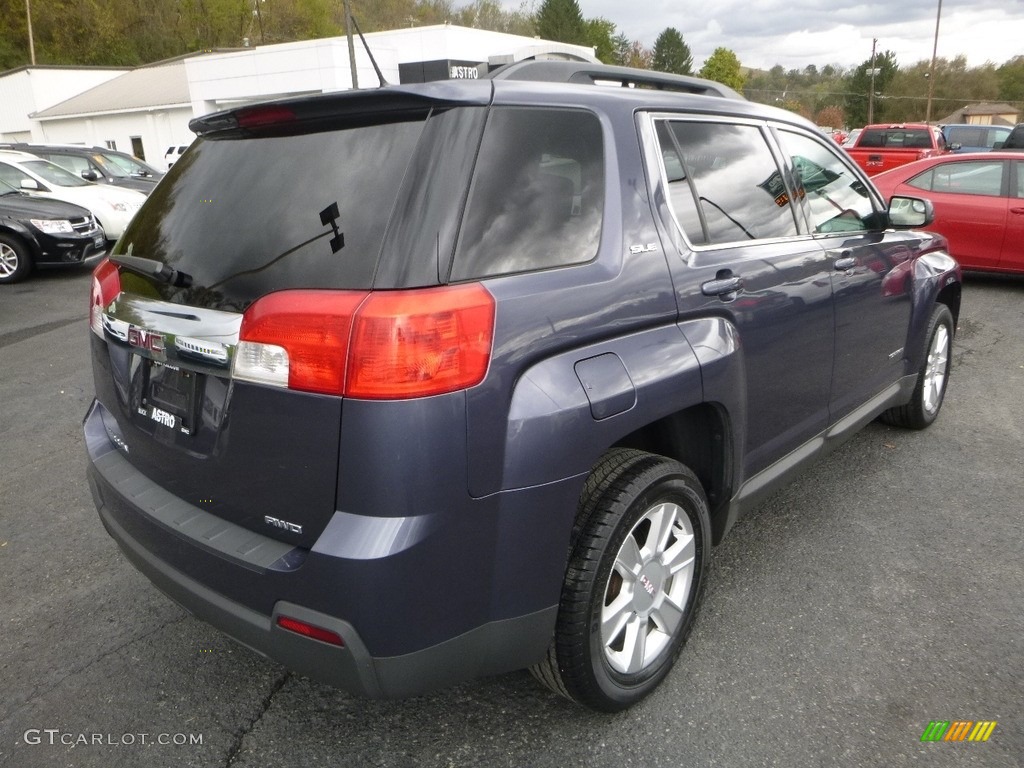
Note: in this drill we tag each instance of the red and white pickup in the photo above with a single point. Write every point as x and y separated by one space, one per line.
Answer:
883 147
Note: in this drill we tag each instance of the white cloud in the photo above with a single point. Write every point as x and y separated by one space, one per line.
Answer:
796 33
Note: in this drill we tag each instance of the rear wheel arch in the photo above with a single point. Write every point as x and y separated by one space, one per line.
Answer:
699 437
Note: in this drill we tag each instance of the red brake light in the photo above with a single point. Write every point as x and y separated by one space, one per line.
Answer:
259 117
421 342
311 327
106 286
309 630
377 345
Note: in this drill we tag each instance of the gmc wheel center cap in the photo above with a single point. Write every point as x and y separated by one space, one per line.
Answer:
648 586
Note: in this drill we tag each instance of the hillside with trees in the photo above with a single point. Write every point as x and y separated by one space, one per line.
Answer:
134 32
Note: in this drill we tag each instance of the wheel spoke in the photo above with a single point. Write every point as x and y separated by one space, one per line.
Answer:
615 616
663 518
630 560
635 644
681 553
667 616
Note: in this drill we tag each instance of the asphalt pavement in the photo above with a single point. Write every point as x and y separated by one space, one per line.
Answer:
880 591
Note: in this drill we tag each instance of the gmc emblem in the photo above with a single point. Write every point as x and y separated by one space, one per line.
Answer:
143 339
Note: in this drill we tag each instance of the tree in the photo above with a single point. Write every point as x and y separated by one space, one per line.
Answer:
831 116
561 20
671 54
859 85
723 67
639 57
621 46
1011 80
599 37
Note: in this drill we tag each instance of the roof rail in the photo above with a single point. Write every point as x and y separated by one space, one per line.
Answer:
600 74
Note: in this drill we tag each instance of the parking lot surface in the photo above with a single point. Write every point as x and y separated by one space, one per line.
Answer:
882 590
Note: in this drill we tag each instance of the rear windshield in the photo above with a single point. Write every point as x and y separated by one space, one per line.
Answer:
907 138
247 216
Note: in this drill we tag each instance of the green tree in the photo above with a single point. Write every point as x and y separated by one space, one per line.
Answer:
561 20
859 86
1011 80
672 54
599 37
723 66
621 46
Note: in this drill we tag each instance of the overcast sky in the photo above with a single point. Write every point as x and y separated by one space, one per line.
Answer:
795 33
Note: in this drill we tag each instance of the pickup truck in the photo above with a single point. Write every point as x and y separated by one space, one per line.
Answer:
884 147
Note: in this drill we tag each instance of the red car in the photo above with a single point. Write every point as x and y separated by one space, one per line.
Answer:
979 204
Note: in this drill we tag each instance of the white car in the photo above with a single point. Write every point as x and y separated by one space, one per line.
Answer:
173 153
113 207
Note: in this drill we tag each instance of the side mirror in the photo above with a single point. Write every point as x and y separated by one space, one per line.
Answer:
30 184
90 175
954 147
910 212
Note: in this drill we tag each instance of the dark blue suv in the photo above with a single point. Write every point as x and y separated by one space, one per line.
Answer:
407 386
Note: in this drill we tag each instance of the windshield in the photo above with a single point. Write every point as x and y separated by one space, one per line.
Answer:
245 216
128 164
54 174
110 169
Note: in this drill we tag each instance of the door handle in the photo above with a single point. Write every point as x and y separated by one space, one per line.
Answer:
722 286
1017 210
845 263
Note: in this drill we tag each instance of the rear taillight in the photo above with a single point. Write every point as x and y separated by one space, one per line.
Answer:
106 286
376 345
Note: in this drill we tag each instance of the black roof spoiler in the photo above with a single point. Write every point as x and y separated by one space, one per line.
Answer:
585 73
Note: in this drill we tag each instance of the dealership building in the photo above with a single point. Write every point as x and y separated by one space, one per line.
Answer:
147 109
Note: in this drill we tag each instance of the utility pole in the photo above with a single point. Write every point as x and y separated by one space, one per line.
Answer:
351 44
871 93
931 71
31 44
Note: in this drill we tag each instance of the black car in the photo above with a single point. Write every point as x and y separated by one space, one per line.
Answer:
39 232
1016 138
415 384
91 164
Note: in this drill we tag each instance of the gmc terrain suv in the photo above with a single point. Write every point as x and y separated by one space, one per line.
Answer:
406 386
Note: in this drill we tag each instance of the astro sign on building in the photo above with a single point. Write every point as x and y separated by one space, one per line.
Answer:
442 69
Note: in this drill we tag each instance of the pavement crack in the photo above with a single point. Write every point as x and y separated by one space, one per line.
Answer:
236 744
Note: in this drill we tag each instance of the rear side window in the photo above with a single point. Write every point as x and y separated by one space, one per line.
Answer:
983 177
724 184
537 195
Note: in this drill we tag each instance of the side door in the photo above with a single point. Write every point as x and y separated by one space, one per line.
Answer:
970 199
735 251
869 269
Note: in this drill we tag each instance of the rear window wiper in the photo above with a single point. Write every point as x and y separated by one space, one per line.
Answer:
153 268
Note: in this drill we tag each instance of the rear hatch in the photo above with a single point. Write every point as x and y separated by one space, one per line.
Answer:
310 205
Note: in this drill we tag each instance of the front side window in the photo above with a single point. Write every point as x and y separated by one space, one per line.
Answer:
537 196
837 200
724 184
982 177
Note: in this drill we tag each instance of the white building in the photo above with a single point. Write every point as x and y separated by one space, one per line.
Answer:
146 110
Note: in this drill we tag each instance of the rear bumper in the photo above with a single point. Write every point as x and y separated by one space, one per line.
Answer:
214 568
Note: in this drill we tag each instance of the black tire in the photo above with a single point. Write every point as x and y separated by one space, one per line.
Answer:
635 495
932 378
15 261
